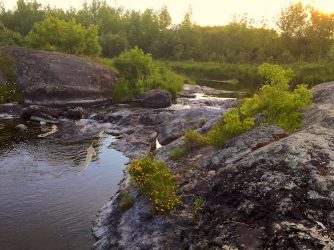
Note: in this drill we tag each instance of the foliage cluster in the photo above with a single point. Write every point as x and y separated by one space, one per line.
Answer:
9 37
70 37
275 101
155 179
139 74
232 125
304 33
313 73
10 92
194 139
178 153
199 204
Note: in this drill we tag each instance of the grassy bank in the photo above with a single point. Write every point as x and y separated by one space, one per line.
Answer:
309 73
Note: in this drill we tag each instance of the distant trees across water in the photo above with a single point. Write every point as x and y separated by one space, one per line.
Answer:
303 34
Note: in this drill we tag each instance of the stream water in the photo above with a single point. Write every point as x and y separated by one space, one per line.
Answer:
45 203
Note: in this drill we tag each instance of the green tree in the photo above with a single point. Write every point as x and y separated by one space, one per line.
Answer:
134 65
164 18
9 37
69 37
23 17
113 45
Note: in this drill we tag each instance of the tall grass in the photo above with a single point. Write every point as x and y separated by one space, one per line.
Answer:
247 74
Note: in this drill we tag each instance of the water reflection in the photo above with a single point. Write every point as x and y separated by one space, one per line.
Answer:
44 203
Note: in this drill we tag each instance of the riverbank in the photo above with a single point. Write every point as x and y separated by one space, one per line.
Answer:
135 131
265 189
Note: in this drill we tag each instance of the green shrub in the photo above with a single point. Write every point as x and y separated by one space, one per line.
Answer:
134 65
232 125
198 204
121 91
275 101
139 74
155 179
178 153
9 37
10 92
203 122
164 78
194 139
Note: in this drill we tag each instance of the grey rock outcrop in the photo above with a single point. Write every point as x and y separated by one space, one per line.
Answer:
265 189
53 78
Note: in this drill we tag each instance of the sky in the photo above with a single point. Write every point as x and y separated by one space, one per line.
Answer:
205 12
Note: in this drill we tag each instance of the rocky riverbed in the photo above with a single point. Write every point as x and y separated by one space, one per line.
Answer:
137 130
265 189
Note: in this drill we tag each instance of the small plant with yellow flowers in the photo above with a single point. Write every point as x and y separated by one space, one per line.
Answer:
155 179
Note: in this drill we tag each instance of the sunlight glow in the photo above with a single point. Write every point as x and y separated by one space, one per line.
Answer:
209 12
326 6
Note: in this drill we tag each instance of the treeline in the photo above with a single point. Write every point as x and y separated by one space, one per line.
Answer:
303 34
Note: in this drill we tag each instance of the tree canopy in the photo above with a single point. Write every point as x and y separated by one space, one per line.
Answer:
303 33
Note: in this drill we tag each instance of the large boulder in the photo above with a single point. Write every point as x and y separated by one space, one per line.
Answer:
53 78
157 99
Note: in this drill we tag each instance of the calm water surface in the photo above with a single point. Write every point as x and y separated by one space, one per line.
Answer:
44 202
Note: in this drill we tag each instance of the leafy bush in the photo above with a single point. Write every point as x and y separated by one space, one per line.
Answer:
9 37
194 139
166 79
178 153
155 179
10 92
139 74
199 204
275 101
134 64
69 37
232 125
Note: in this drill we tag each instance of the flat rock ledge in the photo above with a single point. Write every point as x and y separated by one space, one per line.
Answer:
265 189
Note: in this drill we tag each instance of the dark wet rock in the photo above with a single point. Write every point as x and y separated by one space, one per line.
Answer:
82 130
74 113
21 127
138 144
43 112
265 189
175 124
12 109
44 120
53 78
157 99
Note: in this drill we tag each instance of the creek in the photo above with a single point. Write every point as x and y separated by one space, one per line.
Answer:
45 202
